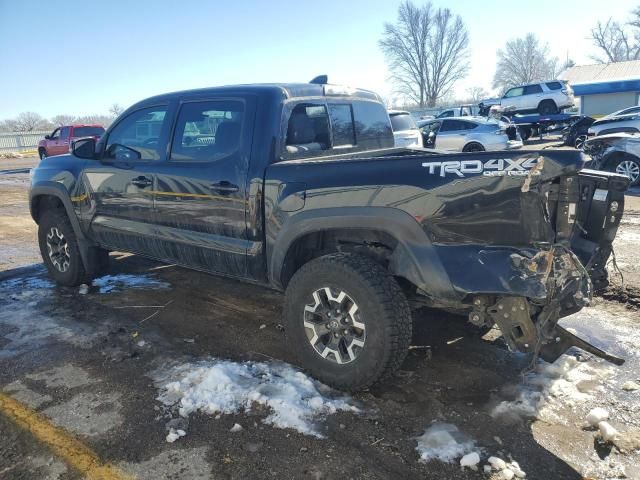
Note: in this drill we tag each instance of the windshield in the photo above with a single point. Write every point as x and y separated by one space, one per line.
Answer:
88 131
402 121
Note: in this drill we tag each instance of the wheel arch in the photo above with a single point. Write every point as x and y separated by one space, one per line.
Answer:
406 250
55 195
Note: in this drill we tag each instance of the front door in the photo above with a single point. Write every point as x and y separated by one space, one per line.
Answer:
120 186
201 200
63 142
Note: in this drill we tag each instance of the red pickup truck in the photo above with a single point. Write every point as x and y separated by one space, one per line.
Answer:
59 142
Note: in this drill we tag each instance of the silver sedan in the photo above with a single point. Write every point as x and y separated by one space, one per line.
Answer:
468 134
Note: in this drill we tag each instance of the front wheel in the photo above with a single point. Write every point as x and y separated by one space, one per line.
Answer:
579 141
347 320
42 153
59 249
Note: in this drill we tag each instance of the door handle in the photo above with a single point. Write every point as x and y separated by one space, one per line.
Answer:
224 187
142 182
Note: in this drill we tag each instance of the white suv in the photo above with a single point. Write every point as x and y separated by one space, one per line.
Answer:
546 98
405 130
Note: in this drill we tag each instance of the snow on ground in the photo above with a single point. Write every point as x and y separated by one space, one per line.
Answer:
444 442
125 281
293 399
563 384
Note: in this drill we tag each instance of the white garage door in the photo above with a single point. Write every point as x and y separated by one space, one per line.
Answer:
598 105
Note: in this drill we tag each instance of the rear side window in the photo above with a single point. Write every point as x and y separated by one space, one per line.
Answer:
137 136
402 121
207 131
455 125
531 89
341 116
373 128
64 133
554 85
88 131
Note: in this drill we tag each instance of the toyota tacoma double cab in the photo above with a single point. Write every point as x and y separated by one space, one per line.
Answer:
299 187
59 141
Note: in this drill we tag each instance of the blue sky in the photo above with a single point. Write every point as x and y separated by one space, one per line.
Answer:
79 57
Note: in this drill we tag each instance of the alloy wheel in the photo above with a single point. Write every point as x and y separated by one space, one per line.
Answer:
334 326
579 143
58 249
629 168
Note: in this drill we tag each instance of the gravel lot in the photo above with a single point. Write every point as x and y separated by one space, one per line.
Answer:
98 366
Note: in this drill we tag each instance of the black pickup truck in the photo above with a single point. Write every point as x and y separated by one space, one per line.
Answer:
299 187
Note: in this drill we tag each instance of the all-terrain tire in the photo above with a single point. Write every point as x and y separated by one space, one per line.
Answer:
66 267
382 308
547 107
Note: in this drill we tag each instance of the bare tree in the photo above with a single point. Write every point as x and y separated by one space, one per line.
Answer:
427 51
63 119
27 121
116 109
104 120
475 94
524 60
618 42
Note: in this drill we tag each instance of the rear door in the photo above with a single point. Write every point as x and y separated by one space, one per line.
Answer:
533 95
120 187
451 135
201 192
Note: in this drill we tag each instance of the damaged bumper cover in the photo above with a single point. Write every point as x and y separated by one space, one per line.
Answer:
531 324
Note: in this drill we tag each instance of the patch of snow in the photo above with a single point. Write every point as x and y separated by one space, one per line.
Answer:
487 468
34 282
84 289
497 463
630 386
565 383
597 415
236 428
174 435
507 474
470 460
125 281
223 387
607 431
444 442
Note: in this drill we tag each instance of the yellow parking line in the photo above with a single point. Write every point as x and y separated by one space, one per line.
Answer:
63 444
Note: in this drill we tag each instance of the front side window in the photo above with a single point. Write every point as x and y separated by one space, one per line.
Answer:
137 136
56 134
342 125
207 131
514 92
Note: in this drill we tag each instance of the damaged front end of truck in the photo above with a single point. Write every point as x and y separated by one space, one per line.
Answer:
546 258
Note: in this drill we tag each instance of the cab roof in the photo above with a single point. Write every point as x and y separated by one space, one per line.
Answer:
287 90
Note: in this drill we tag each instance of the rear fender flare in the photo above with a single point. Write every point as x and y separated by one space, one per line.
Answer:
414 257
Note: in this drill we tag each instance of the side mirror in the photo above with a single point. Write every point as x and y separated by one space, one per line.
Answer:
47 137
84 148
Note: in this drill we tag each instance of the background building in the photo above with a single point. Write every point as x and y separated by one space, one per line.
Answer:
604 88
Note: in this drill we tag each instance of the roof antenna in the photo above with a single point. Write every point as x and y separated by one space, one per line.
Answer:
320 80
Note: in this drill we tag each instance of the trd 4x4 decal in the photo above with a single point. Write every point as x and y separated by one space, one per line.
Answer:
495 167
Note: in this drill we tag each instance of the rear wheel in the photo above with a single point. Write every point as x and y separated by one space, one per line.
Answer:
473 147
347 320
547 107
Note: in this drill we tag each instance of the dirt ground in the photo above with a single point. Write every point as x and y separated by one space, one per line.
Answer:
95 366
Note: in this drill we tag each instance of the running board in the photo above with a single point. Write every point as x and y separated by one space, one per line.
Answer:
565 340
